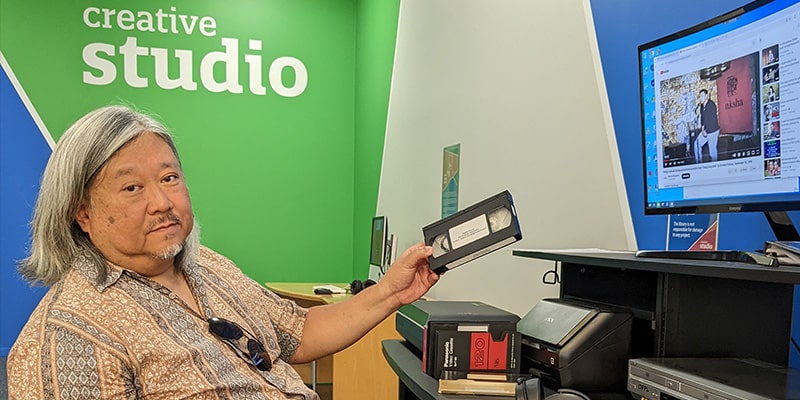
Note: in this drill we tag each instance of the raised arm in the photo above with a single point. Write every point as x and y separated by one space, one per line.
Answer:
333 327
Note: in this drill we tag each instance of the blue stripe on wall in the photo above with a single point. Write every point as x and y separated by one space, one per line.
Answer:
621 26
23 155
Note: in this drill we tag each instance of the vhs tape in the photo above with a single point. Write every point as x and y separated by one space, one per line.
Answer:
472 232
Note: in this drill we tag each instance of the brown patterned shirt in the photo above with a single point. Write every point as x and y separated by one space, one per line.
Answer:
129 338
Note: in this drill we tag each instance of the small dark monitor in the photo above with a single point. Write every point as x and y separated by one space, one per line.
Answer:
377 247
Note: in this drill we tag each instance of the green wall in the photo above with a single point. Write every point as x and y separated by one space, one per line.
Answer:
283 185
375 45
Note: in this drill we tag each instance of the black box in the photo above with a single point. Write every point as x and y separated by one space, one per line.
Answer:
472 232
461 336
577 345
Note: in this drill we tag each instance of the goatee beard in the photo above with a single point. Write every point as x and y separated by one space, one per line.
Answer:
169 252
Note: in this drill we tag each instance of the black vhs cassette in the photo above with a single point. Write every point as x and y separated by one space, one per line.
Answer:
472 232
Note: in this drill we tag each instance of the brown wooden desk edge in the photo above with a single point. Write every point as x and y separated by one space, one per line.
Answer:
305 291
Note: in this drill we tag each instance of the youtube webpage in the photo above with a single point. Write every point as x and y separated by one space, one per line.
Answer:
727 111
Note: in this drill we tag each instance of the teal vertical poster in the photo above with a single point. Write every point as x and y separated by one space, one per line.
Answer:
450 170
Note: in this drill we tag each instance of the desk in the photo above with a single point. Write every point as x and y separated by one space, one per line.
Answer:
686 308
359 371
320 371
416 384
681 308
303 293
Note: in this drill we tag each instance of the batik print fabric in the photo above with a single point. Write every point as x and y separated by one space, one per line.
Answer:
127 337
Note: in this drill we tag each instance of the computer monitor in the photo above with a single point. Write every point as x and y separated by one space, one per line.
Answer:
719 111
377 247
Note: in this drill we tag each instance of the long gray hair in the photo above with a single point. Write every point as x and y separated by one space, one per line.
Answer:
79 155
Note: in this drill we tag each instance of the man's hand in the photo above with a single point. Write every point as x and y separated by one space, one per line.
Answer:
410 277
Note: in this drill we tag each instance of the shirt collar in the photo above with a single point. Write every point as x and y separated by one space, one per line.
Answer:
100 276
106 274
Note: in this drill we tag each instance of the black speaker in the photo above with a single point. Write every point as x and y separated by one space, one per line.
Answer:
358 285
529 389
567 394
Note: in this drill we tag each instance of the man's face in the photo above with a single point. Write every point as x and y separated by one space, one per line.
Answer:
703 97
139 212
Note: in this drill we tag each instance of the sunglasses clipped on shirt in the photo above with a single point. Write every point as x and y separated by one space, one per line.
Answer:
230 333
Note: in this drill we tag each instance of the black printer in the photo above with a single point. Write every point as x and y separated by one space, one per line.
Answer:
576 345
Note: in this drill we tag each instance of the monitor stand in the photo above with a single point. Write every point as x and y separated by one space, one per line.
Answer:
782 226
780 223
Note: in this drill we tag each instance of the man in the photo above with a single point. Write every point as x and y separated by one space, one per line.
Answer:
709 128
139 309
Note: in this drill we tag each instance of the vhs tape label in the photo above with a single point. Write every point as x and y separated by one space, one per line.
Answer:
469 232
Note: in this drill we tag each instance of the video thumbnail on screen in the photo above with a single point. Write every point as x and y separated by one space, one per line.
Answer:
712 114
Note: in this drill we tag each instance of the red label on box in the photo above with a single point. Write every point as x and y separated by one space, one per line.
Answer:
487 354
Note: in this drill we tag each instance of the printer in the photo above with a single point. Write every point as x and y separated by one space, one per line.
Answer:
576 345
464 336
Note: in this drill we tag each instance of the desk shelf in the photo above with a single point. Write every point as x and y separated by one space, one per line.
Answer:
711 269
686 308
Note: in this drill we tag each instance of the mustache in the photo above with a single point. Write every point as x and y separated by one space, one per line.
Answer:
171 217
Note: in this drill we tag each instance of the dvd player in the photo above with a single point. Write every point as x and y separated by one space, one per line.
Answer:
711 379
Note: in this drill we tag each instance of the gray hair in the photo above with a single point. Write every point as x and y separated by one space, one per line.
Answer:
80 154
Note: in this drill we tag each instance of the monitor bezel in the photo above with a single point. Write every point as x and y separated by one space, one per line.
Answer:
372 245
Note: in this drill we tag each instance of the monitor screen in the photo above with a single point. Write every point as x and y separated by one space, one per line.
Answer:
377 245
720 103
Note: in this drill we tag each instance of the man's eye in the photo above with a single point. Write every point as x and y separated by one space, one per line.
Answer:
131 188
171 178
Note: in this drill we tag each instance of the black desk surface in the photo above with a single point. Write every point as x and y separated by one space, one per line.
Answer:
408 368
627 260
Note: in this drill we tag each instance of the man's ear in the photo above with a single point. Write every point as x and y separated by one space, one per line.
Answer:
82 216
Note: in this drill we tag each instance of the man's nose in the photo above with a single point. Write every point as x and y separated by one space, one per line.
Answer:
159 200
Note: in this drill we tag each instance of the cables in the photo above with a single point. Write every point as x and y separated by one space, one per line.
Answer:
553 273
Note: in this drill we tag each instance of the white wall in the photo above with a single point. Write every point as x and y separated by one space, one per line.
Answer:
519 85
